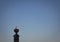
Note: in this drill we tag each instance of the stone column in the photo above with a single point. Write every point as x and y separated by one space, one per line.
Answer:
16 36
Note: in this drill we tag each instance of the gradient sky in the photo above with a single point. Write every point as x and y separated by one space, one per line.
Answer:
39 20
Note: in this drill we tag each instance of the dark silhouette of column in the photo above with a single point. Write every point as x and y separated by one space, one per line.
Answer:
16 36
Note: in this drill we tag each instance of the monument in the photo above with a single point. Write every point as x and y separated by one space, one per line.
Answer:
16 36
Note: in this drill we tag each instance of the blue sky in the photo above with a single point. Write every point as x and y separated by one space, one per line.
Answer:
38 19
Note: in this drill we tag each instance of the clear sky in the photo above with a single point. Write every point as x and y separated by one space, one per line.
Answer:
39 20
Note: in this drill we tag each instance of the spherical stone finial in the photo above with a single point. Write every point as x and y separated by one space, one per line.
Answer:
16 30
